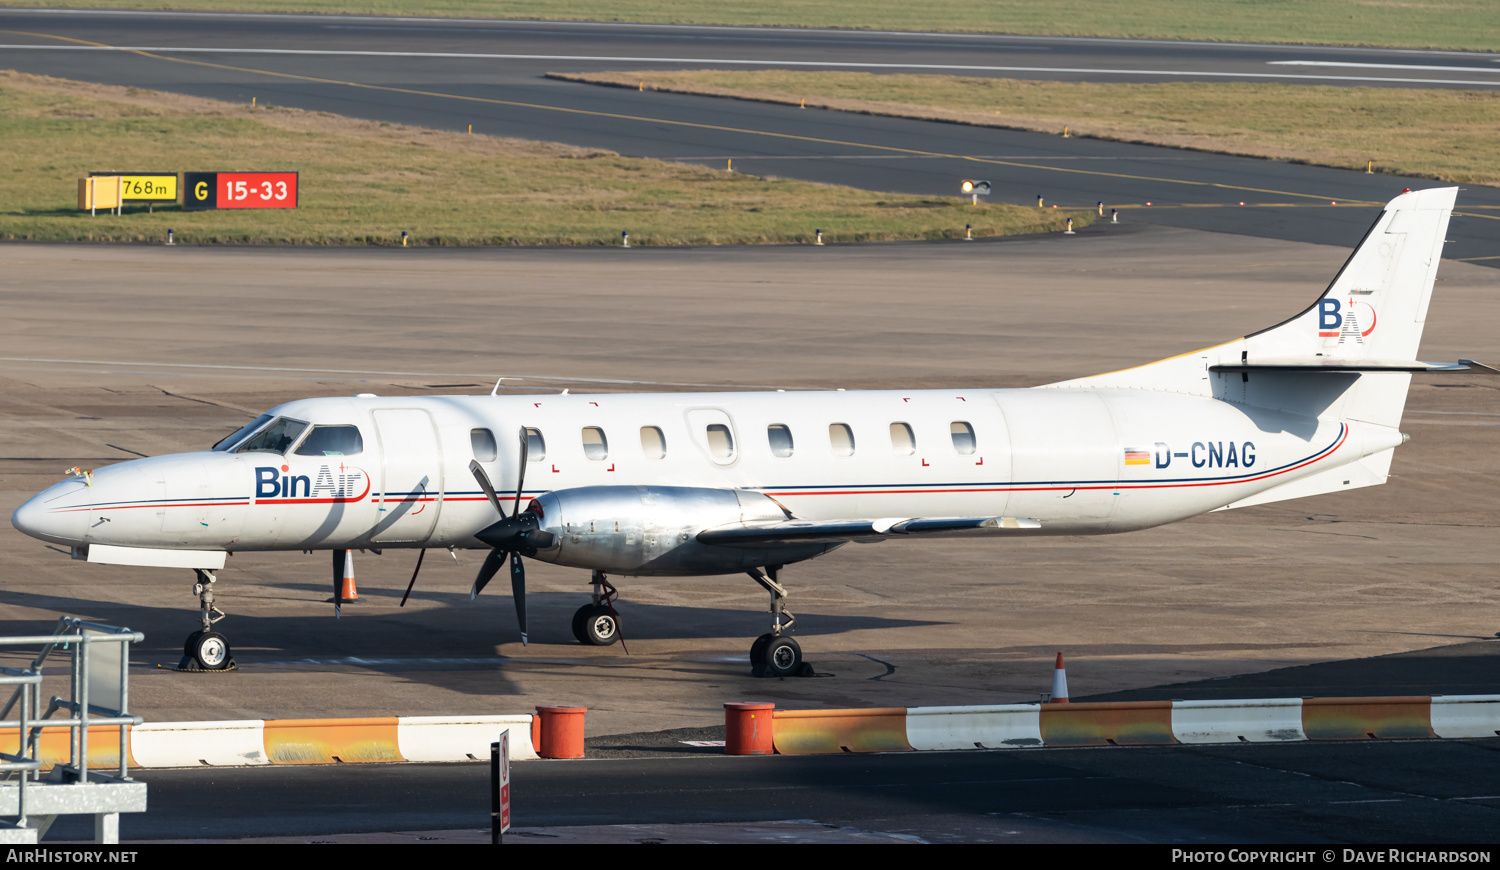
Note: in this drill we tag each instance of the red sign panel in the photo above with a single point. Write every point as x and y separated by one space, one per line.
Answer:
257 189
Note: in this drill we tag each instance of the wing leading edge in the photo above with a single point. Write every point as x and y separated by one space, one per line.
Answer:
864 531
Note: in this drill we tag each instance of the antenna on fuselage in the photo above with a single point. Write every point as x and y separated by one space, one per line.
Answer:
496 390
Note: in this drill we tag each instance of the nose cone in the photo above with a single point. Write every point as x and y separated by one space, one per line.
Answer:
59 514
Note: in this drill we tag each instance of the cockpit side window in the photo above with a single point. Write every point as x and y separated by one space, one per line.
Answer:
227 443
332 441
275 438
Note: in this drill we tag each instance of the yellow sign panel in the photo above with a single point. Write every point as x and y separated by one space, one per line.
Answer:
149 188
98 192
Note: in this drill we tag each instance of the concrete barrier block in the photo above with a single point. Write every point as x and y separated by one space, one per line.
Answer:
230 743
999 726
1118 723
810 732
325 741
1265 720
1388 718
1466 715
462 738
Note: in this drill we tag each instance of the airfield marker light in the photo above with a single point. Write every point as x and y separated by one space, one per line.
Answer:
804 102
1148 202
471 129
252 102
1369 167
642 87
169 238
1069 231
403 238
729 165
819 238
1242 202
1054 205
968 232
1114 215
1101 208
1039 200
1065 132
624 238
1333 202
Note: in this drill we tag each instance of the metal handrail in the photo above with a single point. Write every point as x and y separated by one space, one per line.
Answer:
76 636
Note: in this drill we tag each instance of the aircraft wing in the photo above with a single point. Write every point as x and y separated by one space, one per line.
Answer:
864 531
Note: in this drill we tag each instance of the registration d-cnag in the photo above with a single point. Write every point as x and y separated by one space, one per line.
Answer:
640 485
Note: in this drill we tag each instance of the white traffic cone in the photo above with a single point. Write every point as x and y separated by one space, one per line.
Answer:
1059 682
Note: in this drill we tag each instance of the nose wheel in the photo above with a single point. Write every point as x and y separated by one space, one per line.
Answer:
206 650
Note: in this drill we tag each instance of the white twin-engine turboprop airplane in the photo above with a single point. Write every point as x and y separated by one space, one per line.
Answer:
723 483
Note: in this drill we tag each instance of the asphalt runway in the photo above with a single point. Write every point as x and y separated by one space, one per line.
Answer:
1362 792
447 75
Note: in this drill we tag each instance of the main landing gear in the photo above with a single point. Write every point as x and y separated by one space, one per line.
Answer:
597 624
774 654
206 649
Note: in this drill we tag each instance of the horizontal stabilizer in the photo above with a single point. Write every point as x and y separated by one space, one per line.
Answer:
1338 364
841 531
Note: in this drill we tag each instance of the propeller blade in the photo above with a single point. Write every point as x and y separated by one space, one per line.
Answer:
484 484
487 571
518 590
414 572
521 472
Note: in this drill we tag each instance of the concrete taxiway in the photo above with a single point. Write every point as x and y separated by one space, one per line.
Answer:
448 75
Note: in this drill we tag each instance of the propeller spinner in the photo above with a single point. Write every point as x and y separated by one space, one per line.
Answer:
514 536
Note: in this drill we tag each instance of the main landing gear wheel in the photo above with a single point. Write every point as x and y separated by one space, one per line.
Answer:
595 625
778 657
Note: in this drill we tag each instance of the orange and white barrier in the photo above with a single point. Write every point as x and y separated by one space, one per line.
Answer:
1135 723
248 742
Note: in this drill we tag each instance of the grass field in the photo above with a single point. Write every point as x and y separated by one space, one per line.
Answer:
364 182
1443 134
1452 24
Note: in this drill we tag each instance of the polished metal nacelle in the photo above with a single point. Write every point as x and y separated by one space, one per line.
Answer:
645 530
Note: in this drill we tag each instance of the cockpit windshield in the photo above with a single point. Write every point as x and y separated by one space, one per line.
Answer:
275 438
332 441
227 443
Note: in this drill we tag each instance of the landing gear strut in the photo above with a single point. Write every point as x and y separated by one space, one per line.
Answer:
206 649
773 654
597 624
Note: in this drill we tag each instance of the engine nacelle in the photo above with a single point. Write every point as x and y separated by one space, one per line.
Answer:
642 530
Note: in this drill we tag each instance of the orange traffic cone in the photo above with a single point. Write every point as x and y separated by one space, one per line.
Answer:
350 593
1059 682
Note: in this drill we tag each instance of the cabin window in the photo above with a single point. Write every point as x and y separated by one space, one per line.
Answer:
841 439
595 445
903 442
720 442
963 438
536 445
781 439
240 433
483 442
653 443
275 438
332 441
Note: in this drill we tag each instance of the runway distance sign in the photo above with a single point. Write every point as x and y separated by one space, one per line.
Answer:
145 186
204 190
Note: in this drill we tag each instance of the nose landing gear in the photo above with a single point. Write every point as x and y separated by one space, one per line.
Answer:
774 654
206 649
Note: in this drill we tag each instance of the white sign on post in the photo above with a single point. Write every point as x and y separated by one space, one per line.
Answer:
504 780
104 673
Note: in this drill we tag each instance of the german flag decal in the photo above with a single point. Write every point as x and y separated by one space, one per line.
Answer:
1134 456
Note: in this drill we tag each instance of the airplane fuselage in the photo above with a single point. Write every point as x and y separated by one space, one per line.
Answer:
1079 461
